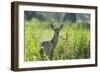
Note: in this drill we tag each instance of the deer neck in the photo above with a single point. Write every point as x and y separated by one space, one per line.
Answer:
54 40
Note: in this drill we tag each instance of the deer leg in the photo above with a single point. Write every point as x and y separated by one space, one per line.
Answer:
51 55
42 53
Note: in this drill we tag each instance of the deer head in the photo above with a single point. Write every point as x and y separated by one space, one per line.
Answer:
56 30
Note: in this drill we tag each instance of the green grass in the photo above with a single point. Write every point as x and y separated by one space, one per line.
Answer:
74 41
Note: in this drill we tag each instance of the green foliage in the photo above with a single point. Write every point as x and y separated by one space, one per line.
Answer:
54 18
73 43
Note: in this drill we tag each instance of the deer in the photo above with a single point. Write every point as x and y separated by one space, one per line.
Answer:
48 46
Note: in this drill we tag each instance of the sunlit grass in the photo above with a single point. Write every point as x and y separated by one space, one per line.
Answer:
74 41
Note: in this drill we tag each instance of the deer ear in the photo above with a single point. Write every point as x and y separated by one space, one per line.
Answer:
61 26
52 26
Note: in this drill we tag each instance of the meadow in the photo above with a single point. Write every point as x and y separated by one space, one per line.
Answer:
73 43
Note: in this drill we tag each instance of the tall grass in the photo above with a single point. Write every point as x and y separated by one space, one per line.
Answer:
73 43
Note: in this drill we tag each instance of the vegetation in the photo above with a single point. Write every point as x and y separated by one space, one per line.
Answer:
73 43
